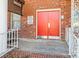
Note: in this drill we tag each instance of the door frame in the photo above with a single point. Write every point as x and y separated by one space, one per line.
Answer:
38 10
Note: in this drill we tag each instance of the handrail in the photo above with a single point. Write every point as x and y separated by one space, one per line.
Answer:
75 37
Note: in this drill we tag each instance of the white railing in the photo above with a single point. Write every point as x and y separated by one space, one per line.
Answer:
12 38
73 43
12 41
71 40
74 46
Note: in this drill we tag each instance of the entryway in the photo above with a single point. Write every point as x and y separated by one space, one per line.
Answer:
29 48
41 48
48 24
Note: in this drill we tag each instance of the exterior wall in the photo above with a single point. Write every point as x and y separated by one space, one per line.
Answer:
30 7
9 20
3 26
12 8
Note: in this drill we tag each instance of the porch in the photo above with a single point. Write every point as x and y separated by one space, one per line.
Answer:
40 49
23 36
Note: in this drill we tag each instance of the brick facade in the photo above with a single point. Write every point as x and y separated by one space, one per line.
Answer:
8 20
30 7
13 8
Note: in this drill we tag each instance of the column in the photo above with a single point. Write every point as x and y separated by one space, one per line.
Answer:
3 26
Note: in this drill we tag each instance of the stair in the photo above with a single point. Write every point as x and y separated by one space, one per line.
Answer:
24 54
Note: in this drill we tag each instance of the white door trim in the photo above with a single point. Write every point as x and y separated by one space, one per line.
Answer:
47 10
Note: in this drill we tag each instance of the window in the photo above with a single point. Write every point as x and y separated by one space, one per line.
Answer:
15 21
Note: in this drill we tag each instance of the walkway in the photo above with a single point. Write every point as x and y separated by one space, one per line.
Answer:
40 49
51 47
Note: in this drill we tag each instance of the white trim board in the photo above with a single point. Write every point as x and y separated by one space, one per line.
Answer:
7 51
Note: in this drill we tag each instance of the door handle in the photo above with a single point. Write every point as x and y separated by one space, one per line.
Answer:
48 25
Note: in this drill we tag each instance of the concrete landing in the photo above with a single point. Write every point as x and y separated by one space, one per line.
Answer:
40 49
44 46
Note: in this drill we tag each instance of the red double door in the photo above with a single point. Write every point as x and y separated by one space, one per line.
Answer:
48 23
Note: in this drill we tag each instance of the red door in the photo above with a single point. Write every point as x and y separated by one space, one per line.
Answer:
42 23
48 23
54 20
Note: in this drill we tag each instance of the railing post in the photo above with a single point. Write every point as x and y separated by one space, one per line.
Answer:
9 43
11 38
14 38
17 38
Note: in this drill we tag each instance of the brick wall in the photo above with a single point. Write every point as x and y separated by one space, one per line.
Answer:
14 8
30 7
8 20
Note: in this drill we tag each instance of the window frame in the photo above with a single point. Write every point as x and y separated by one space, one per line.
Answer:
11 24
